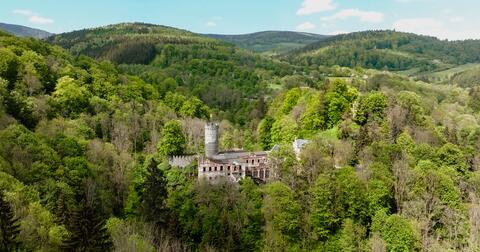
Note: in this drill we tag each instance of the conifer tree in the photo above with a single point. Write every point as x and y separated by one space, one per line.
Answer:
9 228
155 195
88 231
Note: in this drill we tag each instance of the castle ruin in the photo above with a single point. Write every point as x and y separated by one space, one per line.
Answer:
232 165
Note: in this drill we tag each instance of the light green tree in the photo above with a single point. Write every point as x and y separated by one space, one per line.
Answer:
173 140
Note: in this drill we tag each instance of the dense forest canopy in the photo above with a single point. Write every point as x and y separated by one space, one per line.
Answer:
225 77
271 42
388 50
86 131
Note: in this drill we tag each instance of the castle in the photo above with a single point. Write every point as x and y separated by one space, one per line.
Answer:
232 165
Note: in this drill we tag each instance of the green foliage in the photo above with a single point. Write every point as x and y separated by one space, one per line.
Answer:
88 231
30 159
154 195
271 42
351 236
386 50
338 99
291 99
412 104
284 130
8 65
9 227
397 232
314 116
450 155
371 107
194 107
264 132
76 131
336 196
70 98
282 215
223 76
173 140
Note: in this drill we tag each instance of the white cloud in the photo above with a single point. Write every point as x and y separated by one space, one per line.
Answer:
364 16
315 6
305 26
447 11
210 24
40 20
33 17
23 12
456 19
434 27
418 25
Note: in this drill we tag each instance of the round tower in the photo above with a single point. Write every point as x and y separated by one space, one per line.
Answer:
211 139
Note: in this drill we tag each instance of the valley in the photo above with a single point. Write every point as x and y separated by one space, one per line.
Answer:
105 133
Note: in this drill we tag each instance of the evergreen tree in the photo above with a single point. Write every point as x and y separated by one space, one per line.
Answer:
9 226
88 232
155 195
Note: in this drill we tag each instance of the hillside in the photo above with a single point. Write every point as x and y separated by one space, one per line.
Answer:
225 77
24 31
390 50
392 163
271 42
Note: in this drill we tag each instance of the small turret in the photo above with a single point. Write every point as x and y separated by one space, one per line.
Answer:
211 139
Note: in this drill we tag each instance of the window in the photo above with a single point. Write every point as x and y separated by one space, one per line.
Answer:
228 168
221 167
253 160
215 168
209 168
246 161
204 169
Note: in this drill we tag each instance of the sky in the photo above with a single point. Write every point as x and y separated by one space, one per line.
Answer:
446 19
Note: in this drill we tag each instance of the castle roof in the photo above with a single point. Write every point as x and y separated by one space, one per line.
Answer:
228 156
299 143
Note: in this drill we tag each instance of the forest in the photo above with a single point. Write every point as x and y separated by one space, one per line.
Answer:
88 120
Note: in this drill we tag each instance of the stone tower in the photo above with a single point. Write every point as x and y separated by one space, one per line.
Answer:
211 139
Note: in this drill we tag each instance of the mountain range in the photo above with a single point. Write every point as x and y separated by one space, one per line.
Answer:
24 31
423 57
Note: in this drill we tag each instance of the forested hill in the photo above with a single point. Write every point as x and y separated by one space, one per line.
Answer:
229 79
388 50
24 31
392 163
272 42
130 43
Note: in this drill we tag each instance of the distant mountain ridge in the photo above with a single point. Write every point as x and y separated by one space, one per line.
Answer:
24 31
275 42
388 49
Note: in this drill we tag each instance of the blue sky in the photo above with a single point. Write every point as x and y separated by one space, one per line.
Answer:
442 18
